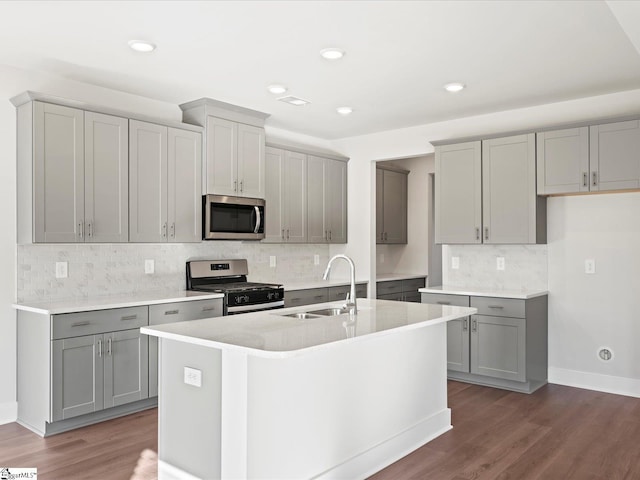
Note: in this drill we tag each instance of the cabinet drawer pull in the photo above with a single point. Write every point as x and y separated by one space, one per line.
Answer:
585 179
81 324
171 312
128 317
496 306
443 303
318 296
208 309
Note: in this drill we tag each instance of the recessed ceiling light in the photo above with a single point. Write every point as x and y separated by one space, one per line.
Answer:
332 53
142 46
344 110
277 89
454 87
298 102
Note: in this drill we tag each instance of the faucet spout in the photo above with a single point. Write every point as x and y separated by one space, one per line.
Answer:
351 299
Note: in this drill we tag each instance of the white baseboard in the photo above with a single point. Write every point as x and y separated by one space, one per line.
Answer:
8 412
595 381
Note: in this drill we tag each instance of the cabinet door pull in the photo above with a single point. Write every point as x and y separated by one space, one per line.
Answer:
287 234
465 325
81 229
90 229
443 303
477 233
235 185
128 317
100 348
164 230
283 233
330 235
474 325
500 307
241 185
594 178
486 233
208 309
171 312
585 179
109 346
81 324
173 230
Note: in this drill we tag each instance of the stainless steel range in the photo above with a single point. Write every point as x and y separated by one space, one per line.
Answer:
230 277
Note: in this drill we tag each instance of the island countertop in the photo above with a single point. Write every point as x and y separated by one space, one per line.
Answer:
272 334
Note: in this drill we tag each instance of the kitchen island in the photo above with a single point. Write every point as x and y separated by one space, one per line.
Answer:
270 395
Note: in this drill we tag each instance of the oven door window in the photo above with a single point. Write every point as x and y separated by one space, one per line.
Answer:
232 218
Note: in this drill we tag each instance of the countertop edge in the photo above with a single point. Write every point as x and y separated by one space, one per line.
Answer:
525 295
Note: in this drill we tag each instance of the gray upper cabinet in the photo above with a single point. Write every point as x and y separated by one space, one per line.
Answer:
509 199
147 182
458 193
80 175
486 193
234 147
164 179
184 211
391 206
563 161
106 178
615 156
326 200
286 196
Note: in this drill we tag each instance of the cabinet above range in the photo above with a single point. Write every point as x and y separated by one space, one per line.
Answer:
234 147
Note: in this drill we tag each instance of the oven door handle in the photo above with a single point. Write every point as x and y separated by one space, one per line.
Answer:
258 219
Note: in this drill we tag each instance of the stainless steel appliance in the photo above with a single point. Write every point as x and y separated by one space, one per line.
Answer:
230 277
232 218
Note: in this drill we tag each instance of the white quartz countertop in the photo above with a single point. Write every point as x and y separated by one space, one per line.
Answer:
485 292
86 304
304 285
272 334
387 277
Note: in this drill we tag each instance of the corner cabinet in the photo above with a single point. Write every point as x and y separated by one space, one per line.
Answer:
326 200
504 345
165 183
391 206
486 193
286 196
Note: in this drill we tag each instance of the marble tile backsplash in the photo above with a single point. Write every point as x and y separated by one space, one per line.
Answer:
525 266
113 269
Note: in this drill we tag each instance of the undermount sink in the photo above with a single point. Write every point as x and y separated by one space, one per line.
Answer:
301 315
330 312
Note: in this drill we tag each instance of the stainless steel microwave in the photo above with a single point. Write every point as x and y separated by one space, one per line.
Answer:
232 218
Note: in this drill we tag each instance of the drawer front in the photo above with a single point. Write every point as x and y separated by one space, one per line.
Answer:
69 325
444 299
339 294
184 311
412 285
295 298
385 288
499 307
412 297
391 296
361 290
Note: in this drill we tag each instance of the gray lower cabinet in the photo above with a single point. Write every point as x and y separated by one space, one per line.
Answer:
504 345
171 313
400 290
309 296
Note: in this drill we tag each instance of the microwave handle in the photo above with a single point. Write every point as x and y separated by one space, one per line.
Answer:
258 220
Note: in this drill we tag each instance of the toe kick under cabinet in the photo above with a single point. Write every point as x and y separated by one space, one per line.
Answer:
504 345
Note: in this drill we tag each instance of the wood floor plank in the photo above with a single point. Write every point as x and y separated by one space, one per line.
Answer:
556 433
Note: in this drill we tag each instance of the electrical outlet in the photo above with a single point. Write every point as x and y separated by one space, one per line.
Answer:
62 269
500 263
149 267
316 259
193 376
455 263
272 261
590 266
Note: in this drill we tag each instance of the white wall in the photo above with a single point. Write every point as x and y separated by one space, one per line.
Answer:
414 141
412 257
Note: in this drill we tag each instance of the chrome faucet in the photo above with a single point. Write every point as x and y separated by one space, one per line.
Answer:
351 298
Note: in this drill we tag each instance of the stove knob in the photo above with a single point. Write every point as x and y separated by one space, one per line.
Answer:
246 298
277 295
270 296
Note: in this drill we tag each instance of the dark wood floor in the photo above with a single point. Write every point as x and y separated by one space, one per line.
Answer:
556 433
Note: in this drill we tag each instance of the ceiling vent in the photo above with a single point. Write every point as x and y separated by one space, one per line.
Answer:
298 102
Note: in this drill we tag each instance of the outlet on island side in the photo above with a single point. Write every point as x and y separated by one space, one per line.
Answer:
193 376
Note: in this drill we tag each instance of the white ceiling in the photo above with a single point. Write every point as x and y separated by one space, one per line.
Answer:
399 54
